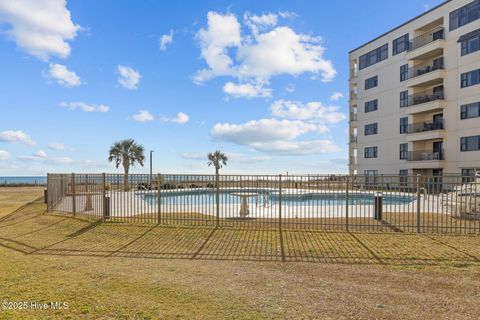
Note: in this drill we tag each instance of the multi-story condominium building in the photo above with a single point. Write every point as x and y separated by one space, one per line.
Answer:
415 96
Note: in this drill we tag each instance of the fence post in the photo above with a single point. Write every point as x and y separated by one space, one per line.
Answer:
217 199
47 202
74 201
158 199
418 183
104 197
280 202
346 202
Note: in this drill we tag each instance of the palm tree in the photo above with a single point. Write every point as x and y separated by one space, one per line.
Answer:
126 153
217 159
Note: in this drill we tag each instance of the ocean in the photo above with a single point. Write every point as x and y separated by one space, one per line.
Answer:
23 180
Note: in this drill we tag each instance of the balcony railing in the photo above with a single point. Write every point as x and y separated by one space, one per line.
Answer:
425 96
424 68
353 116
353 95
353 138
353 73
426 126
353 160
426 155
426 38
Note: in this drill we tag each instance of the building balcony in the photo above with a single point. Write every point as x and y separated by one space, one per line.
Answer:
353 138
425 155
353 95
425 159
353 74
428 74
353 161
427 45
426 101
426 131
353 116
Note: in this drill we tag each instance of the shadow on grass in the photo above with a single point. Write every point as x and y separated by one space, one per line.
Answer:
47 235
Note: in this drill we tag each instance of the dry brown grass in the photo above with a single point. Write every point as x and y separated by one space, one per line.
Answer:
11 198
117 270
404 222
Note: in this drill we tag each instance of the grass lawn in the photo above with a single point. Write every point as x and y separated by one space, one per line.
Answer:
117 270
12 198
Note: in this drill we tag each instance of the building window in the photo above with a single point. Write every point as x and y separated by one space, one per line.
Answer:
371 105
371 129
403 125
470 78
371 82
400 44
373 57
370 176
468 174
371 152
404 99
465 15
470 42
404 72
403 151
403 177
470 143
471 110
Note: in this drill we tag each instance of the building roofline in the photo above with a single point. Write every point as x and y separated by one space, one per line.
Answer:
398 27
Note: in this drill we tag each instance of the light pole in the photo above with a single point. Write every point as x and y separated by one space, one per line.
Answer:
151 167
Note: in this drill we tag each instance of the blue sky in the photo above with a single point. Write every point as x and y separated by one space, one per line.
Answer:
264 81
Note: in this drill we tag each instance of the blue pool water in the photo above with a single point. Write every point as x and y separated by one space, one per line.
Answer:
268 197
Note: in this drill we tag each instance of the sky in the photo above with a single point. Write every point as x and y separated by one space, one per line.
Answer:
266 82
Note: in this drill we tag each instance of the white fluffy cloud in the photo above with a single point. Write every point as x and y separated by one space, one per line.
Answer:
63 76
336 96
42 157
40 154
11 136
263 130
62 161
260 23
222 33
143 116
128 77
235 157
311 111
268 50
274 136
165 40
181 118
41 28
246 90
56 146
282 51
4 155
85 107
299 147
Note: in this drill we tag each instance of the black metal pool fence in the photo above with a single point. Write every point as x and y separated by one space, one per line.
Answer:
441 204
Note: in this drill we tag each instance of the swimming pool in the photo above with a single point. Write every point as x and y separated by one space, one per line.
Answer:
268 197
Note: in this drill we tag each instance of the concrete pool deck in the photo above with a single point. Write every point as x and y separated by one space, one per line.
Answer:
133 203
